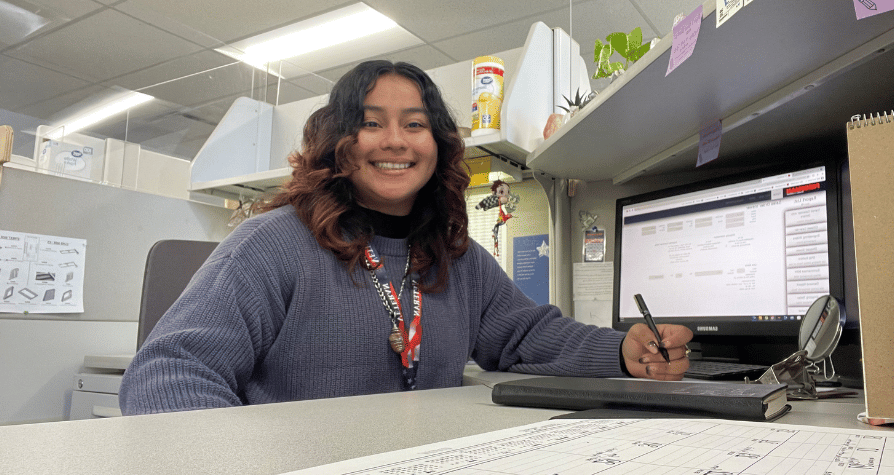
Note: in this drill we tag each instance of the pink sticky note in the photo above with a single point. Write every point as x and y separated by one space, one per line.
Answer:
867 8
709 142
685 37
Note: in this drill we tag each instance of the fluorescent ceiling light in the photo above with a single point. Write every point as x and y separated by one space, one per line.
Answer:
98 114
330 34
316 38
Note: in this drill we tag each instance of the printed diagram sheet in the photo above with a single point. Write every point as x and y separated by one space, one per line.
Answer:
647 447
41 274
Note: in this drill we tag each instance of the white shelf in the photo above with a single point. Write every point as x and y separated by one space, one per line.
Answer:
777 74
246 186
495 144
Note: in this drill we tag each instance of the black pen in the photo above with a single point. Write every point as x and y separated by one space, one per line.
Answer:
649 321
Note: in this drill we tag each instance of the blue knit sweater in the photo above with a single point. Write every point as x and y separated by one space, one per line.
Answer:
271 317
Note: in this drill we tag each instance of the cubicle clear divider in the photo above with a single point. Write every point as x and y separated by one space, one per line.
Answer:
141 124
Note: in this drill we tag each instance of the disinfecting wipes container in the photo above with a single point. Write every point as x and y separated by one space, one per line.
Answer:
487 94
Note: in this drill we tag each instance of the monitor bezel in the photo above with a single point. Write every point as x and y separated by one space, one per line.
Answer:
711 329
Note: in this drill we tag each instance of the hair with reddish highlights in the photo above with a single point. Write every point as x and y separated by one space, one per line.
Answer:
324 197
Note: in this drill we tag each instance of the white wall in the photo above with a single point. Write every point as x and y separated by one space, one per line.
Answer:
39 358
40 353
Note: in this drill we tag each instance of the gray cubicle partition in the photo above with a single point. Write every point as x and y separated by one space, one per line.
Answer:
119 225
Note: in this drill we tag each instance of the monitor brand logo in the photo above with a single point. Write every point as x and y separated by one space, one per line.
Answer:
707 328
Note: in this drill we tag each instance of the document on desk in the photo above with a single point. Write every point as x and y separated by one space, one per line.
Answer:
631 446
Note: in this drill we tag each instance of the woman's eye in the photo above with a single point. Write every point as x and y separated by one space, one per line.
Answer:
416 124
370 123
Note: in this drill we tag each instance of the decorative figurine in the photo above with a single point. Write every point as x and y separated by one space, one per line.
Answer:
507 203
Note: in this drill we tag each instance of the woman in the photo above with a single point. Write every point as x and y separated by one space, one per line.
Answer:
360 278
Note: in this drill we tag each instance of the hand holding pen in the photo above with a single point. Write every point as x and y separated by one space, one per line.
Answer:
656 351
641 304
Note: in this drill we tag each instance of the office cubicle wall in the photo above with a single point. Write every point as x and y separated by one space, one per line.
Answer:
41 352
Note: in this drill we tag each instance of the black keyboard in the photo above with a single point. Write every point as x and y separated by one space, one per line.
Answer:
702 369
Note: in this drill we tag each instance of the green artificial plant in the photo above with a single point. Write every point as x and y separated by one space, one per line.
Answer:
629 45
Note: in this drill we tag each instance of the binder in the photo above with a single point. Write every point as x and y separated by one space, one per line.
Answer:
870 143
757 402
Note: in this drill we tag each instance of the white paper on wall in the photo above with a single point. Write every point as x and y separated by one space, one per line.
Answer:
41 274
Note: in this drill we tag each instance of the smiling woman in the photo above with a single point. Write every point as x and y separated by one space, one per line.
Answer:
360 277
395 153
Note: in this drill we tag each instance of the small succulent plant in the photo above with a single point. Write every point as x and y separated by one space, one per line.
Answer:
578 102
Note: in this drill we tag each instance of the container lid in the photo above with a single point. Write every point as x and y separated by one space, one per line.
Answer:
488 59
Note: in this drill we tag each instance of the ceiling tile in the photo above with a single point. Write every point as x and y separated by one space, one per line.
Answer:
109 44
203 62
20 20
425 57
148 13
40 84
228 20
434 20
60 107
662 12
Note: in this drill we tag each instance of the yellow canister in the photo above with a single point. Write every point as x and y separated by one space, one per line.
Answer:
487 94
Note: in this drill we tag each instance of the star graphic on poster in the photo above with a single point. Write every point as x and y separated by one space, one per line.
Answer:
543 249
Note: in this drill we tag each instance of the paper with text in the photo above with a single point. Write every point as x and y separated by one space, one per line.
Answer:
709 142
685 38
727 8
41 274
593 280
640 447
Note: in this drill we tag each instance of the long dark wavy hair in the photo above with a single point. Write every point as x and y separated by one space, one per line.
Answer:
324 197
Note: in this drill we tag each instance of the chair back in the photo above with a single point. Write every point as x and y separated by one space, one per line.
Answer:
169 267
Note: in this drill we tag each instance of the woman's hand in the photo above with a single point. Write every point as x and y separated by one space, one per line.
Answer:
640 352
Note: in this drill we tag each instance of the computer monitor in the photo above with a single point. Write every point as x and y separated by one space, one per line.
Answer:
738 260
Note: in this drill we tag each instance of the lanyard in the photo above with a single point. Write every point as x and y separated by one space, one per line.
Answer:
403 340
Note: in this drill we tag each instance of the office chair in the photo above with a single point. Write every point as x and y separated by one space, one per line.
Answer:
169 267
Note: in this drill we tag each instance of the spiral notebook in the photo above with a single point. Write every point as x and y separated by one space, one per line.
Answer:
870 144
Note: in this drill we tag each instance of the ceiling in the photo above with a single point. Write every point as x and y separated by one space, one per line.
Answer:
61 56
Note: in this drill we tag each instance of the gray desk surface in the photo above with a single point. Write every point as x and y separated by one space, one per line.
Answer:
277 438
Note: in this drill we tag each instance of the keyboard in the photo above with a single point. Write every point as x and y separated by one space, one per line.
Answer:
702 369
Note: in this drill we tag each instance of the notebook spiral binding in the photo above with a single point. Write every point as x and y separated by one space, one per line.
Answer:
878 118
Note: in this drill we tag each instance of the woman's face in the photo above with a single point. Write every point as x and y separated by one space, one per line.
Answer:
395 153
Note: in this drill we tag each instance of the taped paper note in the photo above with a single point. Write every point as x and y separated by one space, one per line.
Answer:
727 8
685 38
709 142
41 274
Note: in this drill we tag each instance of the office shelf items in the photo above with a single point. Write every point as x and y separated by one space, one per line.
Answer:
776 74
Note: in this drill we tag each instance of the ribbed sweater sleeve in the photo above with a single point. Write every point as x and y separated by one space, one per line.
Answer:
517 335
202 354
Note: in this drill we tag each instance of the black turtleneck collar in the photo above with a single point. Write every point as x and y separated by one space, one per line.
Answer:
387 225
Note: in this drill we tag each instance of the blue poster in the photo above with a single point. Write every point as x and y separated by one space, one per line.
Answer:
530 266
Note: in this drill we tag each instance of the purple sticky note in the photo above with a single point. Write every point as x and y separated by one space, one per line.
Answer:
709 142
867 8
685 37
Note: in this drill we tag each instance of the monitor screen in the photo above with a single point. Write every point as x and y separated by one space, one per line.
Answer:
743 256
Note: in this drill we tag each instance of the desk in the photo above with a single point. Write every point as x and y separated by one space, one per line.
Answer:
277 438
